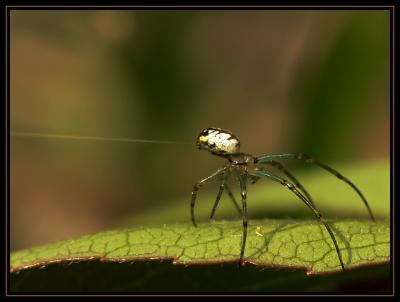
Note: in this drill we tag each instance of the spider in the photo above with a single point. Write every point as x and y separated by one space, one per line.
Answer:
225 144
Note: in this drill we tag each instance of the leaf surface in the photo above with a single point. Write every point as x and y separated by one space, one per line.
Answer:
276 243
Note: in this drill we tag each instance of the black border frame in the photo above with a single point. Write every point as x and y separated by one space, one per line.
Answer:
178 5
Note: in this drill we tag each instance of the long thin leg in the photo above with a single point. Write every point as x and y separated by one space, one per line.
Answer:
196 189
233 199
242 181
309 159
223 186
224 178
253 179
284 182
291 177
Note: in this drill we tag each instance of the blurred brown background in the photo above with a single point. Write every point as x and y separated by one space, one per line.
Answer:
283 81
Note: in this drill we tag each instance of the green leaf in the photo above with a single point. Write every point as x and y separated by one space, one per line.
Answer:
278 243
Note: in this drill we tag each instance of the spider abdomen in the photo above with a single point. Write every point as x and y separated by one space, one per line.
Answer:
218 141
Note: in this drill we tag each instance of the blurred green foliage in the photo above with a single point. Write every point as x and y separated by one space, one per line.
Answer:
338 94
163 84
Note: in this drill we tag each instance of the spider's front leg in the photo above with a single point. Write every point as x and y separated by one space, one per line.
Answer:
196 188
224 178
222 187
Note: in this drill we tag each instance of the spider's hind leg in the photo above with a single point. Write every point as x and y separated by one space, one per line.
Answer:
309 159
291 177
291 187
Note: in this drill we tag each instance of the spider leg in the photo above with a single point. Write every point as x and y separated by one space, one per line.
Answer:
254 179
242 181
233 199
223 186
284 182
292 178
196 189
224 178
309 159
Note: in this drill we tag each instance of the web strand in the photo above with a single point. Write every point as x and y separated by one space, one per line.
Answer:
93 138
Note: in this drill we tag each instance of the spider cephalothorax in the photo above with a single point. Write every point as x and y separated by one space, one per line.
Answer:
225 144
